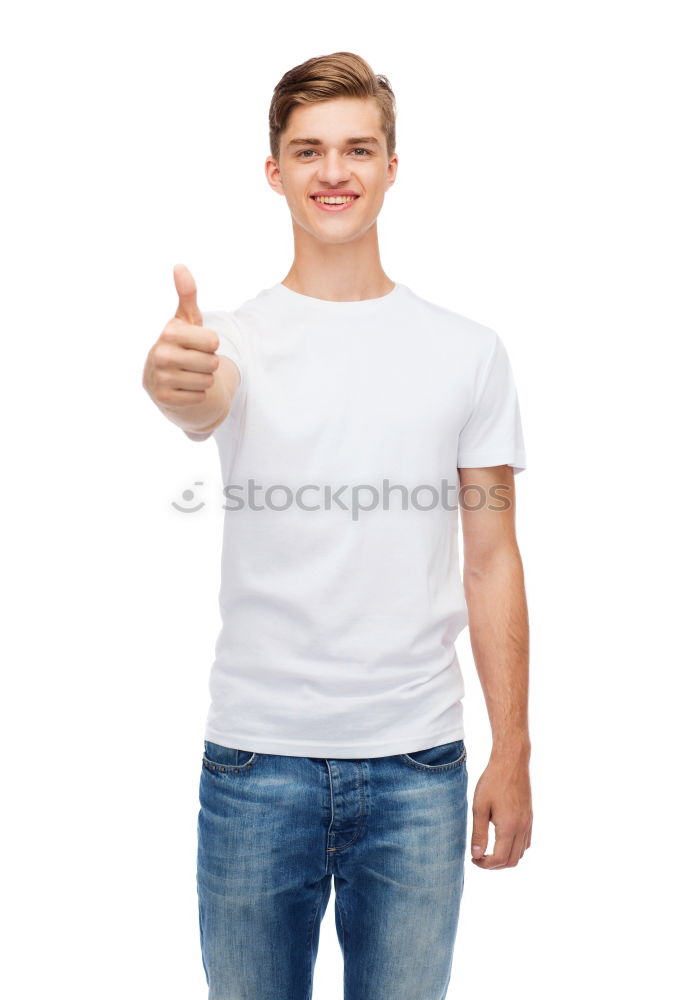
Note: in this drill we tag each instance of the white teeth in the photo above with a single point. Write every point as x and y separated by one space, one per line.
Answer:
338 200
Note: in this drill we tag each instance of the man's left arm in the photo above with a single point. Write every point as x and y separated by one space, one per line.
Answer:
498 625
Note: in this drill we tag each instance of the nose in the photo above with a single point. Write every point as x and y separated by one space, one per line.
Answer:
332 170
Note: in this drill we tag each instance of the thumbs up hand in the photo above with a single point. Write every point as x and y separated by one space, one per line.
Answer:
180 370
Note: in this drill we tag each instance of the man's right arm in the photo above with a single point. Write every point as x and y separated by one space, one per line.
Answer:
190 383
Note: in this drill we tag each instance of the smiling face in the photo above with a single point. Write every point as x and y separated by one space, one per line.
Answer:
331 148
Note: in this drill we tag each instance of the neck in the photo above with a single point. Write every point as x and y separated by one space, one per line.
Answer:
341 272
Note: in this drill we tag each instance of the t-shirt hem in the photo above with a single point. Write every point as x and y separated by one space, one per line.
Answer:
330 750
472 460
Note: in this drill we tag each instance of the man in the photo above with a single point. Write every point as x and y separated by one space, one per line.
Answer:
344 407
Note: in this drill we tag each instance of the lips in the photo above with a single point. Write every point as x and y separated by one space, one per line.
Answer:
336 208
341 193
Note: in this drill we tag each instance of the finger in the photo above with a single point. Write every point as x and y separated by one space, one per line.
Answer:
191 337
500 855
184 397
525 845
517 849
195 381
200 361
479 833
188 360
186 288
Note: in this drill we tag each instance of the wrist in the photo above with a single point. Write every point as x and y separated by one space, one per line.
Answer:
511 748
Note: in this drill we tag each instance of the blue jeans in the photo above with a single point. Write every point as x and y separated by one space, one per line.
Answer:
273 830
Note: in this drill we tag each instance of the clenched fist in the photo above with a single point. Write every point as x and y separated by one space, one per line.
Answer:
181 365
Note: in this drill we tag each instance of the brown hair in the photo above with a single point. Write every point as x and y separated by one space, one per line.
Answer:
341 74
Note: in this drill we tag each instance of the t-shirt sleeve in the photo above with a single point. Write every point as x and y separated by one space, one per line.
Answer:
230 346
493 435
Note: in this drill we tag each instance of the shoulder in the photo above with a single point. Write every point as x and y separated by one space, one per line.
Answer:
473 341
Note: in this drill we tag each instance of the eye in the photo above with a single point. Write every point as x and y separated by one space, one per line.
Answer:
358 149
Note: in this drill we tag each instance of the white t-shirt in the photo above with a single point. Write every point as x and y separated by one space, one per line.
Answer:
341 602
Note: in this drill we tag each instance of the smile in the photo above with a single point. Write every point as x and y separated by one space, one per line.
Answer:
338 205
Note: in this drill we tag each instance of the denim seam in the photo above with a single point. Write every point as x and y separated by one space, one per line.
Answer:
212 765
343 926
363 819
435 768
309 943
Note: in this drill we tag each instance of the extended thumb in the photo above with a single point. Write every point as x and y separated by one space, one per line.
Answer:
186 288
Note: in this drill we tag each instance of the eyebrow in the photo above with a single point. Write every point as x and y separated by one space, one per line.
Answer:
368 139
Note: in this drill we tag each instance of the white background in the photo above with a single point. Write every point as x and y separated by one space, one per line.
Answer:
538 193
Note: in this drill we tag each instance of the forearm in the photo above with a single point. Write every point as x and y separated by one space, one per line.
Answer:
203 416
498 627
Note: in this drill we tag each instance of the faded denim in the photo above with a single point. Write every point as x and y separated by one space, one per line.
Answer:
274 830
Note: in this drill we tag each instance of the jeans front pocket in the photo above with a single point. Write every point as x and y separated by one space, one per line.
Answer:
218 758
444 757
